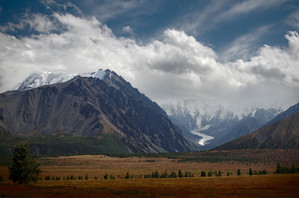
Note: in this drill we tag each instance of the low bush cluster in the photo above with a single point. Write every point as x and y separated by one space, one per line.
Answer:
173 174
284 170
72 177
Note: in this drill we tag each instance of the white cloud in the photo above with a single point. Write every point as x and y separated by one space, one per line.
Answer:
63 5
293 20
35 22
244 46
108 10
176 67
128 30
217 12
248 6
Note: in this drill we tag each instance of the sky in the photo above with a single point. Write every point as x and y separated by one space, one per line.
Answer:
234 53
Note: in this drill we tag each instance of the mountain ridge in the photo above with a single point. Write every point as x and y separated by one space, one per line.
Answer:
91 106
280 133
221 124
36 80
290 111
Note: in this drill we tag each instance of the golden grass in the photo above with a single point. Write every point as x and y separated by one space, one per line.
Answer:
98 165
235 186
271 185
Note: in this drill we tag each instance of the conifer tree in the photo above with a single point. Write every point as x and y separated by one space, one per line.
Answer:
106 176
173 175
278 168
219 173
250 171
127 176
239 172
293 169
180 174
24 169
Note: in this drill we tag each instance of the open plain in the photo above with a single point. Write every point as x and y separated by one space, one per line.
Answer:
88 172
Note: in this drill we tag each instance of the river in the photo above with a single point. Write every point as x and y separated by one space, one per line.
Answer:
204 137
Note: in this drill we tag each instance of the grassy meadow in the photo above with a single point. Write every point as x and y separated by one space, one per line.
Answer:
59 170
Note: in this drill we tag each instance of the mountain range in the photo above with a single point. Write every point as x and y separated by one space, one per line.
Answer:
280 133
100 112
92 105
212 126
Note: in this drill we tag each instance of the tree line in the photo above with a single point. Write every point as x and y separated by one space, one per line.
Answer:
284 170
25 169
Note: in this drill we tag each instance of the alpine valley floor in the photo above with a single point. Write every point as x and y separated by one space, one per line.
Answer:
235 186
95 167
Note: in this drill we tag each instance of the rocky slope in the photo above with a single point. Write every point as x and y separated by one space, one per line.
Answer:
92 106
282 134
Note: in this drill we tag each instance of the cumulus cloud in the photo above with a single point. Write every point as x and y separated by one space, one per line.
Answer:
127 30
175 67
37 22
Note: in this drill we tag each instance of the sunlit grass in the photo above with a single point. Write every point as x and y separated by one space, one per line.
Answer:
235 186
98 165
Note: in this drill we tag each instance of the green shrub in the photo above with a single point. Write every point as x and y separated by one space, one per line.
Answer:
47 178
173 175
106 176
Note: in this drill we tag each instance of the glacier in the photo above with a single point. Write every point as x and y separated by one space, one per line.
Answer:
47 78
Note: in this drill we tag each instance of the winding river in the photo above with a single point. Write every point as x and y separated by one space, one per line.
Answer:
204 137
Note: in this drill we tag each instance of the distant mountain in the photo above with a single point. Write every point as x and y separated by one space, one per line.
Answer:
212 126
290 111
281 134
96 106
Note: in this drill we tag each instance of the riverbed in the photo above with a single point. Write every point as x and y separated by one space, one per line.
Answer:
204 138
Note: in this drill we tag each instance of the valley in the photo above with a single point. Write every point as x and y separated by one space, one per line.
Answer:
95 167
204 138
141 98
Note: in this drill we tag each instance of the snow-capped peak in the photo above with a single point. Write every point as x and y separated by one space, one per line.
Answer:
99 74
48 78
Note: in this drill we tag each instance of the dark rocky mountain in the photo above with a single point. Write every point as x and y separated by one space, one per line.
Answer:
281 134
93 107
